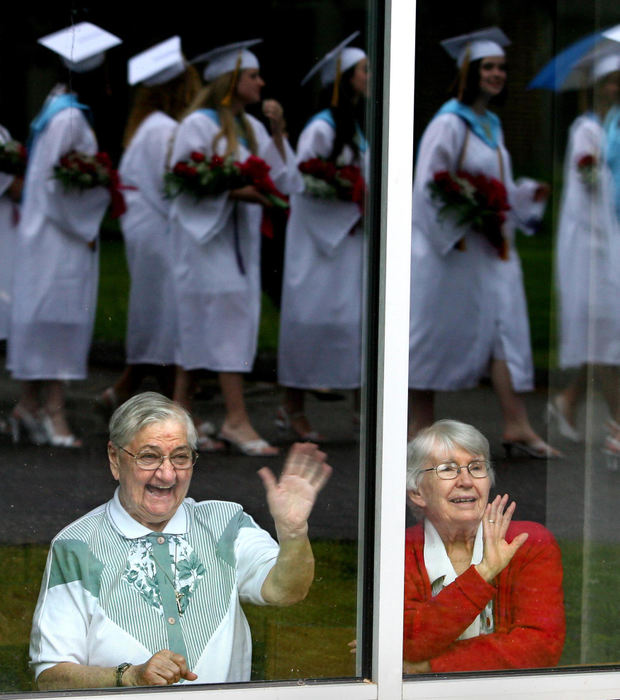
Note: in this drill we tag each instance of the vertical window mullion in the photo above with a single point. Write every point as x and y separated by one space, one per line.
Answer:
392 374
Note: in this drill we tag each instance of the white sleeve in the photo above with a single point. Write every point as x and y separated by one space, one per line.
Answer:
74 212
61 620
525 213
329 222
440 149
256 553
284 172
207 217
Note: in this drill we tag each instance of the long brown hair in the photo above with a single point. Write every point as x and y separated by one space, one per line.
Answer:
211 97
171 98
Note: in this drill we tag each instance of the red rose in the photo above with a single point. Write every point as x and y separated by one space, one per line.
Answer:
104 159
254 168
197 156
350 173
216 161
587 161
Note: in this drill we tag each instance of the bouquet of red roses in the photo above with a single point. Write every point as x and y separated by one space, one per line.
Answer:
13 158
587 168
326 180
79 171
201 177
474 200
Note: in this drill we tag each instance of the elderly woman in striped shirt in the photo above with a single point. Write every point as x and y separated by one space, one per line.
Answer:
146 589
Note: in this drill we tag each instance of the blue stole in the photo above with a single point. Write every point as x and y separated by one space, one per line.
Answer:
214 116
327 116
487 127
612 150
50 109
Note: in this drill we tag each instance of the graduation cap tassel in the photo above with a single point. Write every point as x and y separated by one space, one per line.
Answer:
463 74
336 90
227 99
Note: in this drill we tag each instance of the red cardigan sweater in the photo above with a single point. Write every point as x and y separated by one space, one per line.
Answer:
528 608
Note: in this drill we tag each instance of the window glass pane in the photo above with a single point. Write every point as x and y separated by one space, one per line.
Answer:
198 282
508 328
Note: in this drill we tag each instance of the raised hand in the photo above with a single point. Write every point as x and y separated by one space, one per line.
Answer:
292 497
163 668
497 552
275 114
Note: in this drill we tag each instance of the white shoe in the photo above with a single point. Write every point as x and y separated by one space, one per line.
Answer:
556 411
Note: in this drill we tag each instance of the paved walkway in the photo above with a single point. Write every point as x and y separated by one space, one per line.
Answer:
45 488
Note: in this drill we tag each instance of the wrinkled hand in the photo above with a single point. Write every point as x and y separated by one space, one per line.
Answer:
497 552
249 193
416 667
292 498
163 668
275 114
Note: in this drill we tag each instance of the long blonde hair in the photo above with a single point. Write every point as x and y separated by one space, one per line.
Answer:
171 98
211 97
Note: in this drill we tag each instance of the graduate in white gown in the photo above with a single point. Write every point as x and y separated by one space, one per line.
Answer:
320 341
10 194
56 258
167 84
468 307
217 239
588 257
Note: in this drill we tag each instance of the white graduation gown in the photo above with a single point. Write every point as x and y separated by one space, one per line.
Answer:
321 315
588 256
466 306
218 306
151 317
55 273
9 216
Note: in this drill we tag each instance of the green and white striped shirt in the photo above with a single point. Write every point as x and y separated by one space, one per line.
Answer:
115 591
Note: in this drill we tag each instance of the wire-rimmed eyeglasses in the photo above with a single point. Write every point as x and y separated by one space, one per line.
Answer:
151 461
478 469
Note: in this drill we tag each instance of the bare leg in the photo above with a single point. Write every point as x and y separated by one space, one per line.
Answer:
129 381
609 377
29 399
421 411
184 387
54 407
237 427
572 395
517 426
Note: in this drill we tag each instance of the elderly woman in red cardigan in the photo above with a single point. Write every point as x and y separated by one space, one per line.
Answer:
481 592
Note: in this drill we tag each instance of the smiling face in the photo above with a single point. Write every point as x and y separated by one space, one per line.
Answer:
452 505
359 79
249 86
152 497
492 75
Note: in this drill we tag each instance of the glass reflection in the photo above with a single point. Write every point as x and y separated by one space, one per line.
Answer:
545 120
157 236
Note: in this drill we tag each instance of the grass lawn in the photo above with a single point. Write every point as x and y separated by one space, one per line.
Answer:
309 640
111 317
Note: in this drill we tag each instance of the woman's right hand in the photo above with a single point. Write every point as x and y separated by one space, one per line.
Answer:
498 552
163 668
249 193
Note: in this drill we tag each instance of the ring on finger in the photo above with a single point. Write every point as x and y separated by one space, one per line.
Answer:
490 521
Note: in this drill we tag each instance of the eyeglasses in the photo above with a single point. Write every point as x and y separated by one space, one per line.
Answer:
478 469
151 461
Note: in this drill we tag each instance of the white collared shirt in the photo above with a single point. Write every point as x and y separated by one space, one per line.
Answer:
441 573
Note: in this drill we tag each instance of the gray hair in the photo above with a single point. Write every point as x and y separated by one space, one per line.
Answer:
144 409
444 435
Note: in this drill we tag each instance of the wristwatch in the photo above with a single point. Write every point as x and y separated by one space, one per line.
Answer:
120 669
